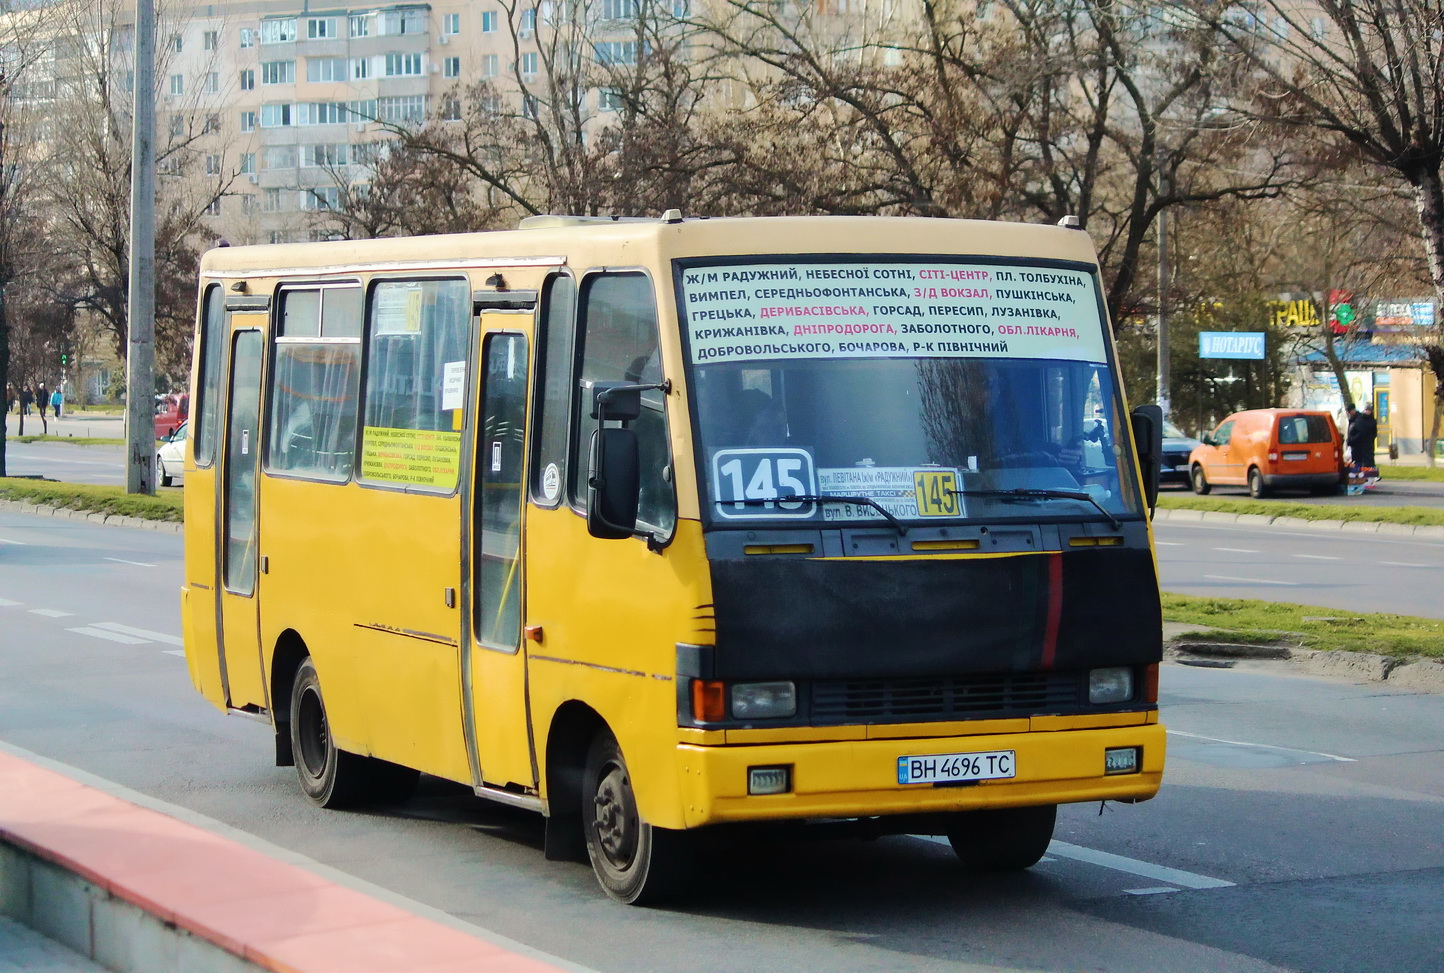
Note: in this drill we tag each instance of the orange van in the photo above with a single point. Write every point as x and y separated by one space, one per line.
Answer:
1271 449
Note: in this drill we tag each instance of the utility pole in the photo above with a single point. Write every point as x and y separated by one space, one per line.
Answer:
140 310
1163 391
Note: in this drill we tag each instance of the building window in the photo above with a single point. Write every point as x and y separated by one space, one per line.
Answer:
276 116
616 52
325 69
321 156
360 68
248 79
213 125
320 28
528 21
681 9
248 203
323 113
403 22
279 30
248 121
214 207
450 109
213 83
451 23
248 163
213 165
271 201
177 84
248 37
490 65
619 9
451 67
278 72
361 26
211 40
175 43
609 99
488 21
177 125
279 157
403 65
528 63
408 108
320 198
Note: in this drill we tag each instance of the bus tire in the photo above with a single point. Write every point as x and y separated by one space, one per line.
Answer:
1003 840
636 863
330 777
1201 486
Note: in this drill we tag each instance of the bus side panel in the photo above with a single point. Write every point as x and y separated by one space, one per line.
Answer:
611 612
361 575
198 595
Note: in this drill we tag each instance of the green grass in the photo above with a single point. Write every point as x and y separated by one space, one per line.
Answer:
96 499
1307 626
73 440
1429 474
1418 516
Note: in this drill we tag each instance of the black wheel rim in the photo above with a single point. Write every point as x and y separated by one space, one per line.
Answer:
311 730
615 817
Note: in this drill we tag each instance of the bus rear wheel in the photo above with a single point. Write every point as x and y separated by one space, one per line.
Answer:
331 777
635 862
1003 840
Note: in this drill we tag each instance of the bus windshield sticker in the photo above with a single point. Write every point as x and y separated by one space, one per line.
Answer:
418 457
748 482
453 385
396 309
913 309
551 482
908 493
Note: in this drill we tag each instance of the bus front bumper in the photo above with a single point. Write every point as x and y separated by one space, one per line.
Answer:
850 779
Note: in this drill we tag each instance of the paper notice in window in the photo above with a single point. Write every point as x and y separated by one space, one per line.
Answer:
453 385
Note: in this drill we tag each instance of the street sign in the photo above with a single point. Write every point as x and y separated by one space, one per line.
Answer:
1231 344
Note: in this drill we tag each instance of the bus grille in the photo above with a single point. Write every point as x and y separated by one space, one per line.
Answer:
967 697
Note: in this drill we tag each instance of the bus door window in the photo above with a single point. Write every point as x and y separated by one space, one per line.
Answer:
316 373
619 343
208 381
549 420
242 448
496 504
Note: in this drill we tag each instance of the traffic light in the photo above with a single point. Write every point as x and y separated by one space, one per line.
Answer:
64 359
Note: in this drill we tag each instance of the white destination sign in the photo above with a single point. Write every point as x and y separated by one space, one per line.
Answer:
918 309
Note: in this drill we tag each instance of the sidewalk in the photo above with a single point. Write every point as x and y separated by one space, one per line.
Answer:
77 424
140 891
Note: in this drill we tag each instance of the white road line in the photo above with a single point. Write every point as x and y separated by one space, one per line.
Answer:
100 633
1153 891
1319 557
139 564
179 652
141 632
1225 577
1167 544
1236 550
50 613
1262 746
1160 873
16 543
7 603
1405 564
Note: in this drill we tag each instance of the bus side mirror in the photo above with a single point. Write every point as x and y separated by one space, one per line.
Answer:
613 484
1147 423
616 401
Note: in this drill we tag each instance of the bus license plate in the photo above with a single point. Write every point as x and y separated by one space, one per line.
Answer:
954 768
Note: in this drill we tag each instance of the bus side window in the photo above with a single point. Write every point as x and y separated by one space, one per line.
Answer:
618 342
549 419
313 394
208 381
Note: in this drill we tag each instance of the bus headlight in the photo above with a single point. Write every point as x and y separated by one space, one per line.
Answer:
763 700
1113 685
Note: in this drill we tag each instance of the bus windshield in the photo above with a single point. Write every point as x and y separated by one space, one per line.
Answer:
915 391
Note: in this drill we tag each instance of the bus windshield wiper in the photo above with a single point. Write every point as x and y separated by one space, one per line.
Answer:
1025 493
825 498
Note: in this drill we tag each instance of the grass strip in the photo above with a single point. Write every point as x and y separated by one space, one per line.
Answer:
93 498
1307 626
1418 516
1429 474
73 440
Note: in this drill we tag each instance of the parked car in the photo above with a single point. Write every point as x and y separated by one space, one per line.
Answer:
170 458
1176 450
1271 449
171 411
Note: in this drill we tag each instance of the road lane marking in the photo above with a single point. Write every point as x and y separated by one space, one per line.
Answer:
141 632
1153 891
1159 873
50 613
1262 746
1168 544
139 564
7 603
179 652
100 633
1225 577
1405 564
1319 557
16 543
1236 550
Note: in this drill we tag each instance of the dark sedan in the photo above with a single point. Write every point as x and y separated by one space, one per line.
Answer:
1176 447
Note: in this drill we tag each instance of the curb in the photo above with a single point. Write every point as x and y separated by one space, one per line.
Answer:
1416 675
1185 515
91 516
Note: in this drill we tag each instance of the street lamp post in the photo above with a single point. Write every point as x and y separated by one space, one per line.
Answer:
140 310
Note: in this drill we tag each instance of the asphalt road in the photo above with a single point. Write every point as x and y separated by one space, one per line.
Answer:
1301 825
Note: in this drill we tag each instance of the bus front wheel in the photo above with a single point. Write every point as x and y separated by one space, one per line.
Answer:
635 862
1003 840
331 777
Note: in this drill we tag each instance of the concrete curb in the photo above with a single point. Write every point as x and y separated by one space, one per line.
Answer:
1268 520
1414 675
94 517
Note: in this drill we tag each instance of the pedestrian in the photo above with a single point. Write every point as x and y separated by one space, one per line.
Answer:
9 397
1363 430
26 397
42 398
57 398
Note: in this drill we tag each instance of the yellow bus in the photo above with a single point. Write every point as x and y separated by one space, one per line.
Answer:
667 525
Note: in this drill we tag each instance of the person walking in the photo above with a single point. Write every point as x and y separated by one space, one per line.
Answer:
10 399
42 398
1363 430
57 398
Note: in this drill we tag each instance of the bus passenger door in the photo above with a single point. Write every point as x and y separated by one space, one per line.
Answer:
239 618
496 674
